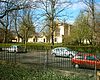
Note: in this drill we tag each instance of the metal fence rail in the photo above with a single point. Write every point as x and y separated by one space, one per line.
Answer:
10 57
44 58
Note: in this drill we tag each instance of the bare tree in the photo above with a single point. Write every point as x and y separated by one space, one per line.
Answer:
7 7
91 17
26 29
12 5
51 10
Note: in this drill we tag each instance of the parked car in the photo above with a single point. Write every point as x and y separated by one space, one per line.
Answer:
86 61
62 51
14 48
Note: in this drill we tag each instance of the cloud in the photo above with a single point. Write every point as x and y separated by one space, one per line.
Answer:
97 6
78 6
70 21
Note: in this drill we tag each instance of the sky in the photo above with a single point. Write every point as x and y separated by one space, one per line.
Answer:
72 12
76 8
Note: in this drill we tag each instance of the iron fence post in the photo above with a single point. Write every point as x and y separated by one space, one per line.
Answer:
15 57
46 60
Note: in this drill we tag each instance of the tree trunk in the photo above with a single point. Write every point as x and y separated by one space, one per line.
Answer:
93 22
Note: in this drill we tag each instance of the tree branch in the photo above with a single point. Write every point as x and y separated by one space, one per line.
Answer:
12 9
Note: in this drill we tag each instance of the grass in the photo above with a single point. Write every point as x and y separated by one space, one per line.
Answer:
11 71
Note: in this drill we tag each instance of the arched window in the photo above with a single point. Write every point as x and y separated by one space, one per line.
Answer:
34 40
44 40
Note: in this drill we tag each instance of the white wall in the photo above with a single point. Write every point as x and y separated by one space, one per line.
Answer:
41 39
59 39
20 40
30 39
61 30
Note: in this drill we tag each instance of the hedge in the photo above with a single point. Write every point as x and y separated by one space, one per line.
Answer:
47 46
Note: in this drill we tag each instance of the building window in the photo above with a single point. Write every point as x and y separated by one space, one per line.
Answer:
55 39
57 32
44 40
34 40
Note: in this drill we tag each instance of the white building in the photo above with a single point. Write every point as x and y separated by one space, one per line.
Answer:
58 35
41 39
